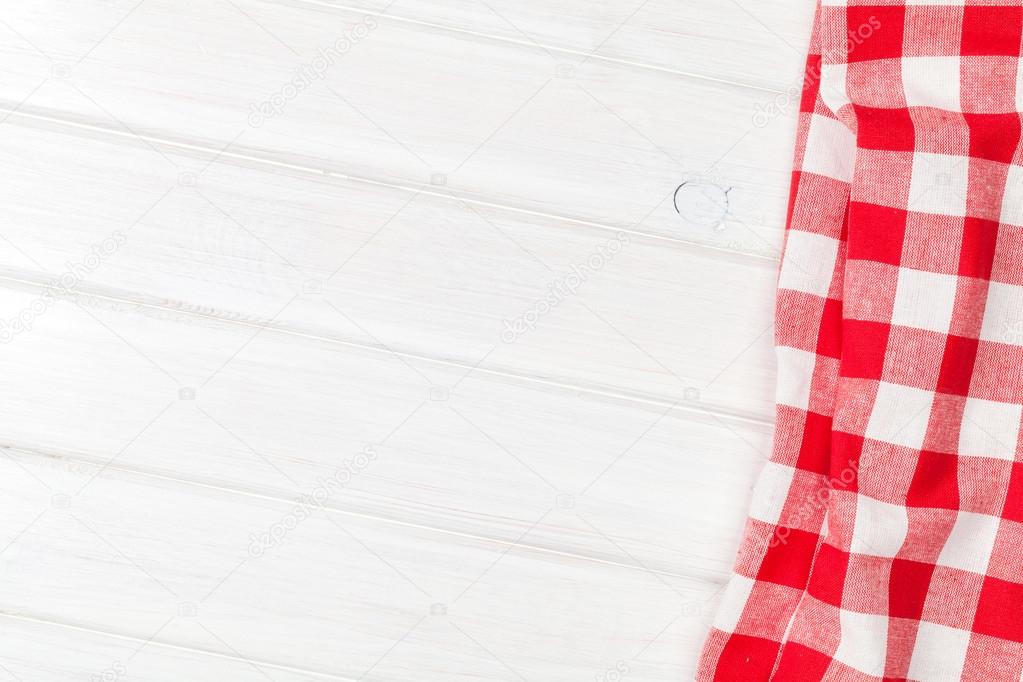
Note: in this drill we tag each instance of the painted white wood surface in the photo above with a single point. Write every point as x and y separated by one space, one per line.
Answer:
278 300
600 143
440 279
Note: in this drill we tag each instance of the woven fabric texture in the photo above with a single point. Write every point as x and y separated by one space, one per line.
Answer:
885 538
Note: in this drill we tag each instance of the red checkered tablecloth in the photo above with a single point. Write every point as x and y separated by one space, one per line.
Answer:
885 538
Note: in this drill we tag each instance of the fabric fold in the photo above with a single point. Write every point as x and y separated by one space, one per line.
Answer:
885 535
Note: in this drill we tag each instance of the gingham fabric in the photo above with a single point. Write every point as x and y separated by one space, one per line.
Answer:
885 539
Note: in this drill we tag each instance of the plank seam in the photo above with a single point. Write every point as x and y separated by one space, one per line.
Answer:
262 160
677 406
333 508
175 647
479 35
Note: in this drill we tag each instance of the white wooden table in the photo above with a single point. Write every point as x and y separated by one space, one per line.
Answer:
393 340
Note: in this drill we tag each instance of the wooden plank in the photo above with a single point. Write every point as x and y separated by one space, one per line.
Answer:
424 275
48 651
351 600
272 414
599 143
302 311
758 45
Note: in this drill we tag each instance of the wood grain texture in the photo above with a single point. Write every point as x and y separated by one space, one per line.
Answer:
421 275
455 364
692 40
334 594
599 142
273 414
